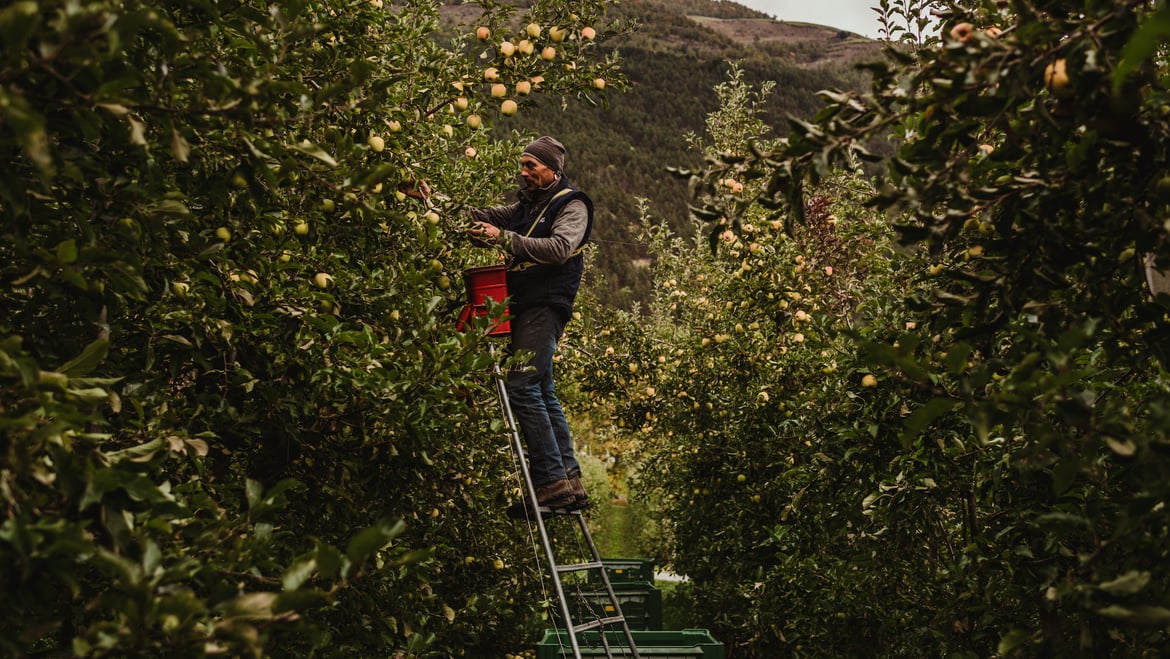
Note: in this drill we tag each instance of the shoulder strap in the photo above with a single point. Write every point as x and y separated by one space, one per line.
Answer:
540 215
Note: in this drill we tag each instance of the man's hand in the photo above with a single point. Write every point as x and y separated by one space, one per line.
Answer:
417 189
484 234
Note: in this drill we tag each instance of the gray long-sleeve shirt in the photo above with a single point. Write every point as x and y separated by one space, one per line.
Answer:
567 231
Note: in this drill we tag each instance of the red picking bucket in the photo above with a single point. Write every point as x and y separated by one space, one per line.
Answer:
484 283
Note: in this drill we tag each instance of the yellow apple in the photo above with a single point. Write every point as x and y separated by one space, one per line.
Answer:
1056 77
507 49
482 33
431 217
395 126
525 47
556 34
599 83
491 74
322 279
223 233
180 288
377 143
470 152
499 90
460 103
868 380
588 33
523 87
533 30
473 121
548 53
301 229
508 107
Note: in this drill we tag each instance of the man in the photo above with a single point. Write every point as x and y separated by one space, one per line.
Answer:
543 234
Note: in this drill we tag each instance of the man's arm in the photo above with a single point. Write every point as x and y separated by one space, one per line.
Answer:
567 232
497 216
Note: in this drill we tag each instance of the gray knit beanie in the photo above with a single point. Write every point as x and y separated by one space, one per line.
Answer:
548 151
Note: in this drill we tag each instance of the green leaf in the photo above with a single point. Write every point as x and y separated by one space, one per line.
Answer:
924 416
1144 616
1127 584
373 539
299 572
67 251
93 354
18 22
1144 45
310 149
253 492
1011 641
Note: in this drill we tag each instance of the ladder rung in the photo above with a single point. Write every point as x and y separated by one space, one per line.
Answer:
580 567
599 622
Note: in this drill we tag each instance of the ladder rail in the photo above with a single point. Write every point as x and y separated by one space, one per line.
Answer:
608 588
556 570
534 505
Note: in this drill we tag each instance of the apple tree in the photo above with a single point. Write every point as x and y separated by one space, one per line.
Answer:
238 416
1014 446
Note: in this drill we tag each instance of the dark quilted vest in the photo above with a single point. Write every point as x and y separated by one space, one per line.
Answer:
535 284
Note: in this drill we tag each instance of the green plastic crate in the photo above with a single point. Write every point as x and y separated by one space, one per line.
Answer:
641 604
674 644
625 570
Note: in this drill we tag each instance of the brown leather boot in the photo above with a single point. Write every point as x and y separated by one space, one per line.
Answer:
558 494
579 492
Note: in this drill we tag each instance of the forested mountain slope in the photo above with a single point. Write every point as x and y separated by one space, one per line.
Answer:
620 147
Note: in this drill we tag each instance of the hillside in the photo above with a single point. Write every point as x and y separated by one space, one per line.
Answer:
619 151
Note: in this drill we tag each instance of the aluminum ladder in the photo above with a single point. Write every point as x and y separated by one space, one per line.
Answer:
555 570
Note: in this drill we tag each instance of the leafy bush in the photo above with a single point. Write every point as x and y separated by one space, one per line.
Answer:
238 417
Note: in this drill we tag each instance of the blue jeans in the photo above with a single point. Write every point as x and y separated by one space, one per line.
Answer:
533 397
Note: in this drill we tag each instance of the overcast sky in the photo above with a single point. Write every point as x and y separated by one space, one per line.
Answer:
852 15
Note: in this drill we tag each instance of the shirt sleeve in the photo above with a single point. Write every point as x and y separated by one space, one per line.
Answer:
497 216
568 230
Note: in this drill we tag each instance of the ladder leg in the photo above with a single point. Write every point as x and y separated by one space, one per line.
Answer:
617 608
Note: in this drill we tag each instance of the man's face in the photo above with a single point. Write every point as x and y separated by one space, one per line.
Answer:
535 173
